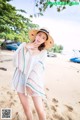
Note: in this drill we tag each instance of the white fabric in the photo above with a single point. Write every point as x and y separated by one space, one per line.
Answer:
29 70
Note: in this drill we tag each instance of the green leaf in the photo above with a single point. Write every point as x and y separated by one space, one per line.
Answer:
41 14
51 5
20 10
58 9
12 23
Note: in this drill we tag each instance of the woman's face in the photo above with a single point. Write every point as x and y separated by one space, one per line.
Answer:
40 38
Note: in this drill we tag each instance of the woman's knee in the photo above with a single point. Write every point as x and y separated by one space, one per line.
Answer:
24 101
29 91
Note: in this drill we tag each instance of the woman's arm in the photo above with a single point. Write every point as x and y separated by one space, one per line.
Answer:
20 47
17 54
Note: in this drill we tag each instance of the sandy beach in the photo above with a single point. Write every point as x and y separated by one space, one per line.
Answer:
62 87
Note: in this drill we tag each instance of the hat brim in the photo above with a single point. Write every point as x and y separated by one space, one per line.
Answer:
49 42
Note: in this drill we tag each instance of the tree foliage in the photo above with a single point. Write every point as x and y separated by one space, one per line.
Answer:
42 5
13 25
56 48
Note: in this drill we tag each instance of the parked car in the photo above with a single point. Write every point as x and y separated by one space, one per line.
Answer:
50 54
75 59
10 45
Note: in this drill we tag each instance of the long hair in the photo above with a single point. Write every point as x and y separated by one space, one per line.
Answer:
42 46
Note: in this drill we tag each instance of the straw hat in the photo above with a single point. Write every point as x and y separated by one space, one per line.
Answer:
49 42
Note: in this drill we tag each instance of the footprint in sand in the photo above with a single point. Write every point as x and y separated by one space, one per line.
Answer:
15 101
51 119
53 108
9 93
56 105
58 117
1 93
54 100
4 88
69 118
2 102
16 116
79 102
47 89
46 105
70 109
78 71
11 103
11 97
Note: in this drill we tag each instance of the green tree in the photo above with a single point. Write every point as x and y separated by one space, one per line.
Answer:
56 48
42 5
13 25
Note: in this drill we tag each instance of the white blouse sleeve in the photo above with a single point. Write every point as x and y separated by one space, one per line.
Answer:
20 47
15 56
44 57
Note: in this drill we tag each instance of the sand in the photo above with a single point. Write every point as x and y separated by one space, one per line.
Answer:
62 87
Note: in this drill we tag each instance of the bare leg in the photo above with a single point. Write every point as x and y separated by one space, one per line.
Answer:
39 107
25 103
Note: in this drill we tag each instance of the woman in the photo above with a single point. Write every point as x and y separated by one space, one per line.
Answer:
28 76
